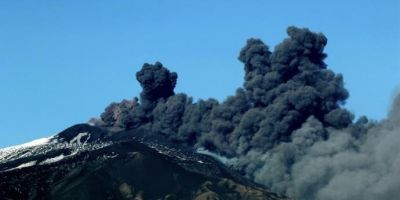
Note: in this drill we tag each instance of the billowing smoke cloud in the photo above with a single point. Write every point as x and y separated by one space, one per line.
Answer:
344 166
157 82
285 128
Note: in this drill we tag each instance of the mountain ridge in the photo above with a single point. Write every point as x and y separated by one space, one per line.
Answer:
75 163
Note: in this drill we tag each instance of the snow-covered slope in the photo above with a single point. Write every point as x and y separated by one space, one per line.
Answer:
24 149
50 149
85 162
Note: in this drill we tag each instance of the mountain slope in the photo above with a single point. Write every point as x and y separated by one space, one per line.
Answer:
85 162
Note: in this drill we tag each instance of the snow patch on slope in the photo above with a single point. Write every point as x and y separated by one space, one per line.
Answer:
28 164
53 160
33 143
77 139
8 151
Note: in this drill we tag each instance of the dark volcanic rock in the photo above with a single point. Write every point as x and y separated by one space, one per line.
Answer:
124 169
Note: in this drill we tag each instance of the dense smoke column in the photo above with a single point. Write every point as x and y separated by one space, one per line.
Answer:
196 121
168 114
349 166
157 82
288 86
118 114
283 128
225 118
282 89
256 58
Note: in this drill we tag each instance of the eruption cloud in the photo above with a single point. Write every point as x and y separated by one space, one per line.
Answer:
285 128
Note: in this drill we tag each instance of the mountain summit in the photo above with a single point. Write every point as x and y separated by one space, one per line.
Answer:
87 162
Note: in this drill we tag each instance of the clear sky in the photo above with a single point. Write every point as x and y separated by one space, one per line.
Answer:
62 62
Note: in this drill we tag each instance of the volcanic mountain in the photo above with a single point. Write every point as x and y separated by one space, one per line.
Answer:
286 129
87 162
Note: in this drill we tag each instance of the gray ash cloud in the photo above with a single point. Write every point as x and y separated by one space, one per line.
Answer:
285 128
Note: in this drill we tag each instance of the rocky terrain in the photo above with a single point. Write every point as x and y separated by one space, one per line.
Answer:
86 162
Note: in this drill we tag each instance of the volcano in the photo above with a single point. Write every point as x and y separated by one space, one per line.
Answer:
87 162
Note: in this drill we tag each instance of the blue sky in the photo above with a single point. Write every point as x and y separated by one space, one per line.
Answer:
63 62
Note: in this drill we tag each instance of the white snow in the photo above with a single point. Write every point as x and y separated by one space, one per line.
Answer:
76 142
33 143
77 139
53 160
28 164
8 151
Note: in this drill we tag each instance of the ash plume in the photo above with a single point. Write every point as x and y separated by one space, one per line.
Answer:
346 165
285 128
157 82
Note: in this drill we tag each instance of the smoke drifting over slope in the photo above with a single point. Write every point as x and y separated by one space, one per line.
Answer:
285 128
359 162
